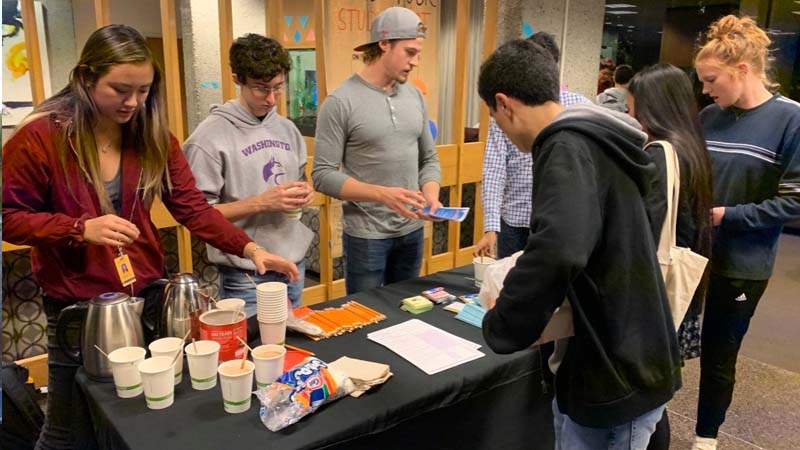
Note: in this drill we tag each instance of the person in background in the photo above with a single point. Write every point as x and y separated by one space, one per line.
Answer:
614 97
375 127
605 75
591 241
753 135
250 163
507 181
80 175
662 100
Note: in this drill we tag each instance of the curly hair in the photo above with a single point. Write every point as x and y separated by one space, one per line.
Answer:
258 57
732 40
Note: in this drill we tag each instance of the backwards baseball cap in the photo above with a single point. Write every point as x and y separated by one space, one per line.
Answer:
394 23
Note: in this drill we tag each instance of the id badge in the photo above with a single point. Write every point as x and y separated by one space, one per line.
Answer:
125 270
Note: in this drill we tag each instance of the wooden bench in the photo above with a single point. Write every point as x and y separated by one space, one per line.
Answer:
37 369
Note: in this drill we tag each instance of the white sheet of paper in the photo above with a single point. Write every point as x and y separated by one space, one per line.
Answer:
429 348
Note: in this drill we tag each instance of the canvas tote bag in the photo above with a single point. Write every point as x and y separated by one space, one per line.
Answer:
681 268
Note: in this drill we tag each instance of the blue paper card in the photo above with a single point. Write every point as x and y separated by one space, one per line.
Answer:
472 314
455 214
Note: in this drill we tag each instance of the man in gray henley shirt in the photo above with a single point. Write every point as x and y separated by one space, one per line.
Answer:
375 127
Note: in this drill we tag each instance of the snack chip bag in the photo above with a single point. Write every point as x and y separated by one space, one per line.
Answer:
300 391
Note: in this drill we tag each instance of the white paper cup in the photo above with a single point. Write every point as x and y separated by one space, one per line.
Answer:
271 287
231 304
273 319
294 214
480 263
236 387
273 333
169 347
268 359
157 376
203 357
124 368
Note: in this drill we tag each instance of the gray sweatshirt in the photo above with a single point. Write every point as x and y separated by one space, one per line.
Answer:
614 99
376 138
234 156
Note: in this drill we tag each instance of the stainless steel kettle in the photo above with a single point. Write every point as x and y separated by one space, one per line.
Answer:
183 303
109 321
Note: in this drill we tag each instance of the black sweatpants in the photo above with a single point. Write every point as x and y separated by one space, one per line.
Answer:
730 304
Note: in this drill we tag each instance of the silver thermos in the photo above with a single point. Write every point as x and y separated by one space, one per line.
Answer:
109 321
183 303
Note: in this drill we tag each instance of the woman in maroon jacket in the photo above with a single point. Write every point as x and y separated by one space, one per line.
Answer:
80 175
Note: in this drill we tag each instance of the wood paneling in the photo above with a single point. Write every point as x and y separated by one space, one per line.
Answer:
225 41
33 53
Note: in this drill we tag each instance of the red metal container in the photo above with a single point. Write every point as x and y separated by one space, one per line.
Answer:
223 327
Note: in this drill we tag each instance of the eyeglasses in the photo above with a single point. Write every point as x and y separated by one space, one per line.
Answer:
265 91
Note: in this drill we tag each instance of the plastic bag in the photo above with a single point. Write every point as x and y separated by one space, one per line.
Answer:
300 391
493 278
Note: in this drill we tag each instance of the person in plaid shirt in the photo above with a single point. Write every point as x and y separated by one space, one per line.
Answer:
508 180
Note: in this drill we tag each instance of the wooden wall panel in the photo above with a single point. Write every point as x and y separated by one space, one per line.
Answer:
347 24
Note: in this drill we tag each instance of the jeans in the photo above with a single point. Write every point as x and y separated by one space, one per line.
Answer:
511 239
630 436
67 423
730 304
233 282
370 263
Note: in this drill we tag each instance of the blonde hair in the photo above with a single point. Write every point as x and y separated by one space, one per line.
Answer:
732 40
147 132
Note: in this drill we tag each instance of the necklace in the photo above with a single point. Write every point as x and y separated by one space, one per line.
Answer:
104 148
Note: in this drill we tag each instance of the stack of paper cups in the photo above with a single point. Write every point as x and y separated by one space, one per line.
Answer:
272 311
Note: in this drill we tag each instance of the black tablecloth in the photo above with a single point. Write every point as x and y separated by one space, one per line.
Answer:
493 402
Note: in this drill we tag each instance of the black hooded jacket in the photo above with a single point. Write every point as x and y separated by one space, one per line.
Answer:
591 241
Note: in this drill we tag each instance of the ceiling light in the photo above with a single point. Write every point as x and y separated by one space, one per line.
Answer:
619 13
625 5
796 12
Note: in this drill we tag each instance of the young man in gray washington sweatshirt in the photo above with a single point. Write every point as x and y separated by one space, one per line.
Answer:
375 126
250 162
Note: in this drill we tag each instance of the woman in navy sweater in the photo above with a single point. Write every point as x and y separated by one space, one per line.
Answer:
753 135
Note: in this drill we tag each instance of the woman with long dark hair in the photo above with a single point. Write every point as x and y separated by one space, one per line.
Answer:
661 99
80 175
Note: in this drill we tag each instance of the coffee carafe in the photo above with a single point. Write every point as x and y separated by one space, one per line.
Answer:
109 321
183 303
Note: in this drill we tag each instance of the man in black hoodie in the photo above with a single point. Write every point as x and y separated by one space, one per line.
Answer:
591 242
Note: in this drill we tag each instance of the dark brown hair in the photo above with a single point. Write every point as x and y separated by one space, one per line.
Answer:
258 57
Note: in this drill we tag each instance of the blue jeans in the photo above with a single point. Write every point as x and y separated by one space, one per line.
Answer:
370 263
510 240
233 282
634 435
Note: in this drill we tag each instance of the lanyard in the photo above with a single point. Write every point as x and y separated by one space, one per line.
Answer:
122 262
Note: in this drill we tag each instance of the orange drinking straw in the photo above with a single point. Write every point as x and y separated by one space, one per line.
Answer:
298 349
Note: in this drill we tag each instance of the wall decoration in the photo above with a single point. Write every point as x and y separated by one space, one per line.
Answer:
527 29
297 28
17 97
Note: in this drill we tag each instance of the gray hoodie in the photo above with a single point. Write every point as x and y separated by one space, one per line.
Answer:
234 156
614 99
